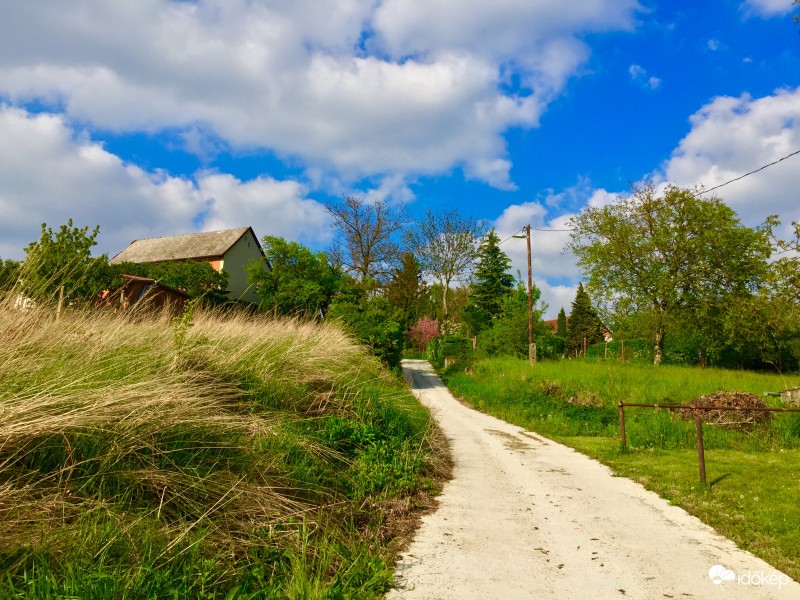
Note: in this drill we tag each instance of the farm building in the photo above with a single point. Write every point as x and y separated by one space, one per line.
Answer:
144 290
228 249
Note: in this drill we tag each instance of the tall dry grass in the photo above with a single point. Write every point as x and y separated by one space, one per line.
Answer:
142 441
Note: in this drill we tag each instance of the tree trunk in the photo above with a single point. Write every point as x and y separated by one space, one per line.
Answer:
658 345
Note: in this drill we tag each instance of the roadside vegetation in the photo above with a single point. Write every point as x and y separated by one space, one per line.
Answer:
217 454
753 489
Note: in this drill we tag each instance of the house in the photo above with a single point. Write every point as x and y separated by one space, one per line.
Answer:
553 325
229 249
145 292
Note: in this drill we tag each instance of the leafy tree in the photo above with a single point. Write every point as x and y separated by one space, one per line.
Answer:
196 278
372 320
63 259
9 273
406 290
446 244
294 280
584 324
509 331
366 245
492 281
661 253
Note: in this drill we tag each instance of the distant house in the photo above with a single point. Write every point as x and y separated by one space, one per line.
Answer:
229 249
553 325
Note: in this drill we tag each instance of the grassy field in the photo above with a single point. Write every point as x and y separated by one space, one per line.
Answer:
753 491
212 456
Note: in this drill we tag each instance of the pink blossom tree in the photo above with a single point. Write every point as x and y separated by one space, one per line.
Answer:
425 330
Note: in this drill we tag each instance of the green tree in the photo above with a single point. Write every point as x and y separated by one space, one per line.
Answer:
63 259
659 253
196 278
509 331
406 290
293 280
372 320
561 324
492 281
9 273
584 324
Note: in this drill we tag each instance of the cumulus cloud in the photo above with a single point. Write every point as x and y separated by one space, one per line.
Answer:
50 173
732 136
554 272
362 88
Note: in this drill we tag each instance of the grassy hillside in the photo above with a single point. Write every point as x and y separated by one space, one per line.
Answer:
217 455
753 490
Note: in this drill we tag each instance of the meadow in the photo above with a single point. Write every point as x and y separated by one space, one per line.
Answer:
213 455
753 489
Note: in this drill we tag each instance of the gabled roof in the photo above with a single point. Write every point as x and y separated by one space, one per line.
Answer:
209 244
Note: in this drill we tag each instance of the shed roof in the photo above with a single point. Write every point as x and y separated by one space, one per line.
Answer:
208 244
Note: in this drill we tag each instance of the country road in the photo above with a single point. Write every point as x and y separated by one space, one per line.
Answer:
525 517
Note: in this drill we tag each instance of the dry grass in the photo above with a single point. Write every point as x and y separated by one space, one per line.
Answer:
150 438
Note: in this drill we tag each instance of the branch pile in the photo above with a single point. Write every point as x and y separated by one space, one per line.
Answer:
730 419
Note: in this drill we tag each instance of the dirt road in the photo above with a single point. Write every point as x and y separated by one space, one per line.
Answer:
525 517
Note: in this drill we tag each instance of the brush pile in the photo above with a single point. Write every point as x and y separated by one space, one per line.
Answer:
735 417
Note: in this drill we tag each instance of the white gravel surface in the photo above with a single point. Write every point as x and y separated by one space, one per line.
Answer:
525 517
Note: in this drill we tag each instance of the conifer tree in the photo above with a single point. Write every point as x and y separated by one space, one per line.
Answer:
561 324
493 282
583 322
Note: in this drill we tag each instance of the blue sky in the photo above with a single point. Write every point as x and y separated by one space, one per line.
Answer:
160 117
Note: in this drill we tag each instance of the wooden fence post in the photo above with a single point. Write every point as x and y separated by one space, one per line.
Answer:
621 408
701 454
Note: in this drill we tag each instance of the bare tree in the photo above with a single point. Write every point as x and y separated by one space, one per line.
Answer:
446 244
366 243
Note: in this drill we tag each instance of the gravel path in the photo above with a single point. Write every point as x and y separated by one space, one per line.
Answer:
525 517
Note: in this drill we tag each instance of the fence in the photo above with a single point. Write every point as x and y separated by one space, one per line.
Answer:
698 420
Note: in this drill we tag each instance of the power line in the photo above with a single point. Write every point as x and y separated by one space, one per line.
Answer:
750 173
716 187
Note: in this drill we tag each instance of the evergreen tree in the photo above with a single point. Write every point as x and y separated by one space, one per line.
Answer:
561 324
493 282
583 322
406 290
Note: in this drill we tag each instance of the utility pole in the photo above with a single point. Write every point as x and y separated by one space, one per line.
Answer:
531 344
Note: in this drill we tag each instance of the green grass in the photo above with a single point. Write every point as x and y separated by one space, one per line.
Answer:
753 490
216 456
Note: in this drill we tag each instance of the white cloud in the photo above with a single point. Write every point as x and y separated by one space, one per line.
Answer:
732 136
713 44
767 8
49 174
639 73
549 262
359 87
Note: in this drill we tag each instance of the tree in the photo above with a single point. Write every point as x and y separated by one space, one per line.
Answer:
9 273
492 281
509 331
406 289
196 278
294 280
366 244
584 324
561 324
423 332
446 244
371 319
63 259
660 253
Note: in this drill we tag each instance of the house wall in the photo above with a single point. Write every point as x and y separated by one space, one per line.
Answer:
241 254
